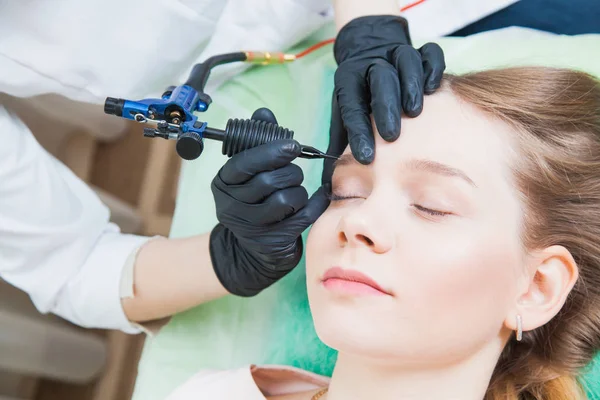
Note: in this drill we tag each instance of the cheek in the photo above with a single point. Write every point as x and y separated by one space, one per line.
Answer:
462 278
463 267
473 269
320 239
320 245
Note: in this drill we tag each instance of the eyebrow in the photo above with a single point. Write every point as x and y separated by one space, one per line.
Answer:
416 165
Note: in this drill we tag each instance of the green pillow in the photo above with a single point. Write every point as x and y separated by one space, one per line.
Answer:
276 326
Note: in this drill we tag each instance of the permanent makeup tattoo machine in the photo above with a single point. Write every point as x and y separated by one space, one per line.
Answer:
172 116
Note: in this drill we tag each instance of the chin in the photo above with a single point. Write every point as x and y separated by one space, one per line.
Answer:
349 339
351 325
379 333
381 346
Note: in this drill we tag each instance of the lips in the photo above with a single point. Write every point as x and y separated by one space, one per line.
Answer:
351 280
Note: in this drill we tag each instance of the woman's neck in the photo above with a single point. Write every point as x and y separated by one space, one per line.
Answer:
357 378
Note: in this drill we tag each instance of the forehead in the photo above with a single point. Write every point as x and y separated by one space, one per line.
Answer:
453 132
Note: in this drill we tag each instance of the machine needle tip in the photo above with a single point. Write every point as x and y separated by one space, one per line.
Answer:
312 153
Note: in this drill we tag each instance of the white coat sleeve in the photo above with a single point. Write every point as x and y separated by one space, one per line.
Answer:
137 48
56 242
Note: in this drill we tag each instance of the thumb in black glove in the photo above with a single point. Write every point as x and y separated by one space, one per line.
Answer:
262 211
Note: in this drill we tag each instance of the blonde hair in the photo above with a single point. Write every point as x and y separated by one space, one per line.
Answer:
556 114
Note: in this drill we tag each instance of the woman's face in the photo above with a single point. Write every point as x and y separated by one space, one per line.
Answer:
435 222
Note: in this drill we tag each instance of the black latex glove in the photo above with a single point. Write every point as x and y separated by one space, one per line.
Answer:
262 211
379 72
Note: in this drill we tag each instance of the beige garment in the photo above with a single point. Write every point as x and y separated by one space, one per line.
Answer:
248 383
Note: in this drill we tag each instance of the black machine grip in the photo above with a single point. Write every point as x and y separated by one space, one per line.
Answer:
239 135
243 134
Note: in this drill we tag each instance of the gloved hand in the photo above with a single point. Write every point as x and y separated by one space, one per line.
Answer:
379 72
262 211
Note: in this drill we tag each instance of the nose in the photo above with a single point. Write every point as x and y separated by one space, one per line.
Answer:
359 229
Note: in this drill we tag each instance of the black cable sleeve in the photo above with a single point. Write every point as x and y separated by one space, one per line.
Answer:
200 72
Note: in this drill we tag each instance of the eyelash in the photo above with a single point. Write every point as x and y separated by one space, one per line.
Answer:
336 197
434 213
431 212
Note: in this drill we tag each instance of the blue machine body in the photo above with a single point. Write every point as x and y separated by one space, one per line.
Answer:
181 101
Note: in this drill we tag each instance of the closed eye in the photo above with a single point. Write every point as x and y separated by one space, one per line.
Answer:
430 211
337 197
435 213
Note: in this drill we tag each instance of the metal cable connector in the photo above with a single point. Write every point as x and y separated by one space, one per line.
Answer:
266 58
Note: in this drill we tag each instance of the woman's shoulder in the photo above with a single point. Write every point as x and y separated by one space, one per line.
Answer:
250 382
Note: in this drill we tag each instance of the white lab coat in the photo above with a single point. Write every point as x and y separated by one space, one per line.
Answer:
56 242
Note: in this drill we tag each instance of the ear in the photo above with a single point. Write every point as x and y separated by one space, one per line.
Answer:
552 274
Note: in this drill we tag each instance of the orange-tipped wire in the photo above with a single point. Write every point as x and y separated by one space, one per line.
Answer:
314 48
330 41
265 58
411 5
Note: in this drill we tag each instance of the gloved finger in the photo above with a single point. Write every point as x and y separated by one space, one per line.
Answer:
267 157
353 97
434 65
338 140
307 216
266 183
279 206
385 98
264 114
407 61
273 209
